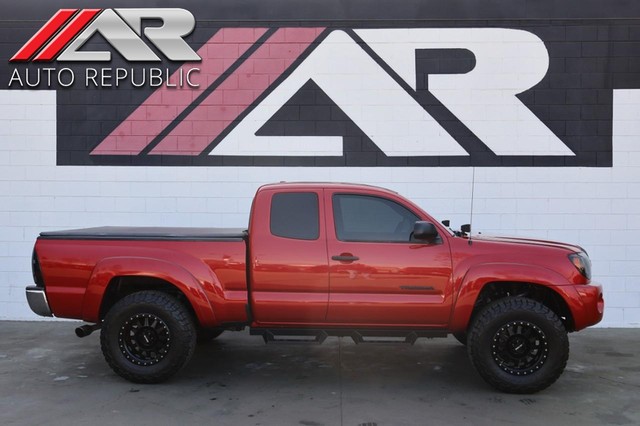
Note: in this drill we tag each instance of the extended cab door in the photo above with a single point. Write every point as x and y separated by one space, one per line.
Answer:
378 276
289 276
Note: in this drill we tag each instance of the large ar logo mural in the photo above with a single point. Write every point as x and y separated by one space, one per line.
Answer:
335 96
370 76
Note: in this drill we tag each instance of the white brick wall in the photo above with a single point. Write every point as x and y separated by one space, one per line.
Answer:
598 208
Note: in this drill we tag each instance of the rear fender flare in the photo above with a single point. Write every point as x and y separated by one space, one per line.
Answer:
113 267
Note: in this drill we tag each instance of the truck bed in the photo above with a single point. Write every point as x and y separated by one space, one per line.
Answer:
148 233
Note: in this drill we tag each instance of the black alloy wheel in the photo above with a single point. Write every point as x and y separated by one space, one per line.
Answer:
144 339
520 348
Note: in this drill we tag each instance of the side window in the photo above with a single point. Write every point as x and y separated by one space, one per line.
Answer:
365 218
295 215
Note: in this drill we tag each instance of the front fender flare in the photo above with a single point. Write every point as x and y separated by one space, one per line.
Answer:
113 267
477 277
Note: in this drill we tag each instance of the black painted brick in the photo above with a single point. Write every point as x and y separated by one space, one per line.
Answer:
626 80
581 33
355 144
581 96
297 128
288 113
315 112
596 112
618 64
605 127
101 112
626 48
557 65
528 97
594 143
272 128
72 112
306 97
557 125
581 127
548 161
584 159
330 161
581 65
596 80
565 81
333 127
549 33
549 97
564 49
268 161
361 158
564 112
423 161
604 158
541 111
299 161
85 128
613 32
596 49
383 160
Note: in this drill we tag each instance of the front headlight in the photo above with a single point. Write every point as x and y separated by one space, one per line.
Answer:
582 263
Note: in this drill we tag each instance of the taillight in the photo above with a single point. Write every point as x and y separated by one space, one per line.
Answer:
35 270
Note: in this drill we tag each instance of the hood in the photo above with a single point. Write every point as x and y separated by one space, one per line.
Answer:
528 241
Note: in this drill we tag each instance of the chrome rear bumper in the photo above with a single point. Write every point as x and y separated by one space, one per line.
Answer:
38 301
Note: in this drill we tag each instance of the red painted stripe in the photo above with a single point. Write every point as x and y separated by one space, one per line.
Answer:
50 52
225 104
165 104
43 35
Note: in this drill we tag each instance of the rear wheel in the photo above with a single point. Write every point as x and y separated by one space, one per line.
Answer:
147 337
518 345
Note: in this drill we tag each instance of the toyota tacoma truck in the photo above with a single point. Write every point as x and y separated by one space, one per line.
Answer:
320 260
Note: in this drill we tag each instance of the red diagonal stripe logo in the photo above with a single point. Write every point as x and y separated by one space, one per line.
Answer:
222 106
67 34
43 35
165 104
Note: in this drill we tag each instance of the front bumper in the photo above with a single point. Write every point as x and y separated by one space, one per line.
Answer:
592 308
38 301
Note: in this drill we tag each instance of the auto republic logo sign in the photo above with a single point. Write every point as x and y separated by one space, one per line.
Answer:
63 36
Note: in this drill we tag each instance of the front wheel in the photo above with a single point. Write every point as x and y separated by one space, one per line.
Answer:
518 345
147 337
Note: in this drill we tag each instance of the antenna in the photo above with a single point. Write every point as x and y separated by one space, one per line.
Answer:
473 185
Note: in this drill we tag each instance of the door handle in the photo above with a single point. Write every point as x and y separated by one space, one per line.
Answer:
345 257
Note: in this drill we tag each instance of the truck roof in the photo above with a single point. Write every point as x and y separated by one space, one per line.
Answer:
322 185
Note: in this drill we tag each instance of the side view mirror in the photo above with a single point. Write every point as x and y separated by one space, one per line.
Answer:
466 228
424 230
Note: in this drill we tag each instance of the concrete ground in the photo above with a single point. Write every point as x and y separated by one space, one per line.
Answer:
49 376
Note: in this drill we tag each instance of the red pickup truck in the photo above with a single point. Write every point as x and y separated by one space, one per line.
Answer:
320 260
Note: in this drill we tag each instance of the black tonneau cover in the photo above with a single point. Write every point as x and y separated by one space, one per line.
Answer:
148 233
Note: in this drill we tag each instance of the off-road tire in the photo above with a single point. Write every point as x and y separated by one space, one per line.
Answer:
153 318
494 342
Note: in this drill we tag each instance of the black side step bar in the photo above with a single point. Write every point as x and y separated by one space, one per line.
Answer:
296 336
311 335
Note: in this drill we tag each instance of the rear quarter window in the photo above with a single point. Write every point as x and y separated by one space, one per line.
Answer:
295 215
